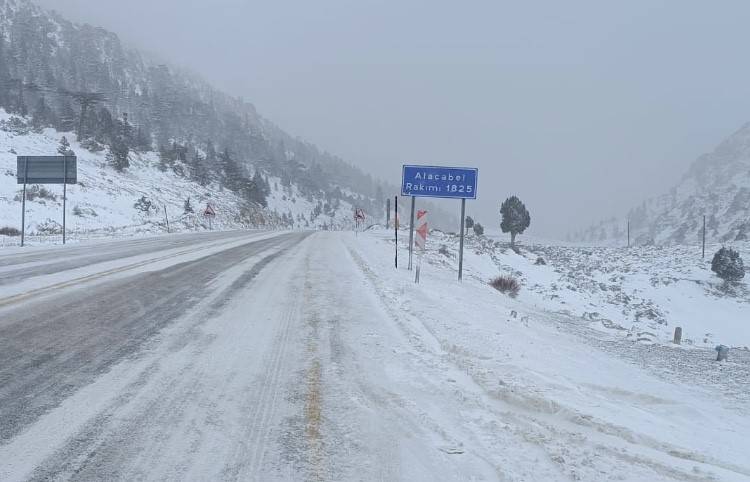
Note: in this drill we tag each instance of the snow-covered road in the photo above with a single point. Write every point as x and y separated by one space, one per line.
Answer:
297 356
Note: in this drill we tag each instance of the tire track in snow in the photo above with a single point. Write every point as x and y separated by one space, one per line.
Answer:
248 457
129 438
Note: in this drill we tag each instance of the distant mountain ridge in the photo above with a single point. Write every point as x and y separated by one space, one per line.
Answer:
717 185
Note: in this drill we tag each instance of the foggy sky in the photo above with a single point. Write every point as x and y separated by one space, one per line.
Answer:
581 108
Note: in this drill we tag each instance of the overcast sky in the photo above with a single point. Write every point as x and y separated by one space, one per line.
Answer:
582 108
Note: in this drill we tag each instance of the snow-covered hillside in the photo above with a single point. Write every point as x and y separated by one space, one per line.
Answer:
104 200
717 186
640 294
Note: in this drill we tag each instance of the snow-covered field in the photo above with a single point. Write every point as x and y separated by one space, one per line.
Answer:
103 202
641 293
600 404
298 356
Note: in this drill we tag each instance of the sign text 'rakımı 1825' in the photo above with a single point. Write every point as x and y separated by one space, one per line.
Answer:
444 182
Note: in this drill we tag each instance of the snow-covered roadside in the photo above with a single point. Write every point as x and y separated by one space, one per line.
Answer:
641 293
103 203
594 411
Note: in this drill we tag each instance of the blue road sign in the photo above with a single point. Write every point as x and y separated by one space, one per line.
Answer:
434 181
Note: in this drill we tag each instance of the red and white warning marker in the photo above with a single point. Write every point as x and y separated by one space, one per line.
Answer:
359 219
209 213
421 239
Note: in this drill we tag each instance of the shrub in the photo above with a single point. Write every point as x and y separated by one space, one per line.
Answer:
83 212
507 285
49 227
8 231
728 265
478 229
143 205
540 261
34 192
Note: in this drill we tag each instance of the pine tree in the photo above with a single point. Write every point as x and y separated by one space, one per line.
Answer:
43 115
231 176
187 207
469 223
64 148
120 146
728 265
515 218
4 74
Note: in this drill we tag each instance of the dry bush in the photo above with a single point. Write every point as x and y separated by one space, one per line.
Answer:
8 231
507 285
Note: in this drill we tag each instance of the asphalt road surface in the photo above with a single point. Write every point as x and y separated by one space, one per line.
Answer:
218 356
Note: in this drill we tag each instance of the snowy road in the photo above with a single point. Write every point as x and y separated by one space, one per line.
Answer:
297 356
224 365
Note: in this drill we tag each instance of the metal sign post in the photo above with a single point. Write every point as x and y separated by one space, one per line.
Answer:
442 182
65 191
46 170
359 219
411 233
23 202
461 243
166 217
209 213
421 241
395 225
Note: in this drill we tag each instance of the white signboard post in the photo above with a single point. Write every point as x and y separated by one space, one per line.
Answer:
441 182
421 240
210 214
45 170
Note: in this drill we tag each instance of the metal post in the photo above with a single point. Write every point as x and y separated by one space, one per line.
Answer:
461 245
411 233
65 190
628 233
166 216
23 202
395 225
704 236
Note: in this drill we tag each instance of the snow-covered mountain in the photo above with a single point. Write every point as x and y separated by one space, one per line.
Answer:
141 199
139 126
717 185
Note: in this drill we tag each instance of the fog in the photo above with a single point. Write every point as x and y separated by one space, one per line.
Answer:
582 109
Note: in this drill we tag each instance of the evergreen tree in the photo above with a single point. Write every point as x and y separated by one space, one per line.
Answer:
728 265
469 223
143 139
64 148
43 115
187 207
120 146
261 189
478 229
515 218
231 176
4 74
67 117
